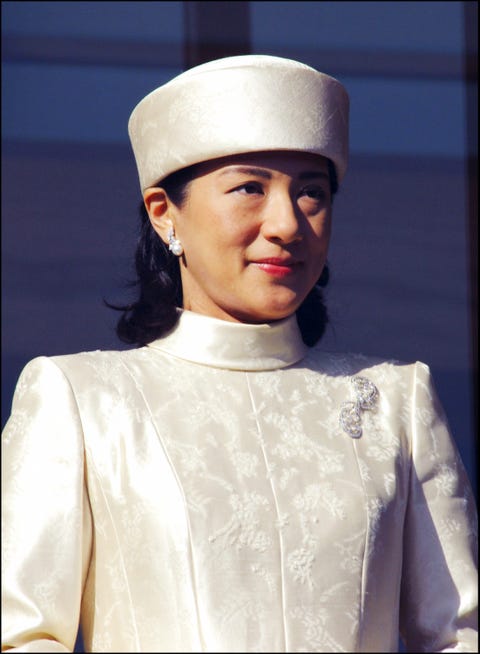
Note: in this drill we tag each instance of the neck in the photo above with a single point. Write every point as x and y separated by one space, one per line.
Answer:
233 345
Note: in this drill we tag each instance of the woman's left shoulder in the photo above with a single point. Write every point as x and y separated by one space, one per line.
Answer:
351 364
391 377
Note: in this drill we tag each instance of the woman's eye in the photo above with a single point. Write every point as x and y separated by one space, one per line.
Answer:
314 192
249 188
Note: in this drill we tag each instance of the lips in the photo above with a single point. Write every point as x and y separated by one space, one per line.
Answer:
277 266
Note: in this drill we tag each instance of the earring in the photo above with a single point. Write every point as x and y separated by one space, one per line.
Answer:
174 244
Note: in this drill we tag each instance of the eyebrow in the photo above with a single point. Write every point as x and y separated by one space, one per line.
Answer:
247 170
261 172
313 174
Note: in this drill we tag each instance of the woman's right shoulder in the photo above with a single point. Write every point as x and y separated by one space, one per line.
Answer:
78 359
91 367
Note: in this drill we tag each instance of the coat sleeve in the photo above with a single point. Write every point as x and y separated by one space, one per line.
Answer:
439 577
46 520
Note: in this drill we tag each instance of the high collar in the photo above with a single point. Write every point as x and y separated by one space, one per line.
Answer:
233 345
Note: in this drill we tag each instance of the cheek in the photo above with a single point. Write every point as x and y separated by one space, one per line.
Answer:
320 233
236 231
217 236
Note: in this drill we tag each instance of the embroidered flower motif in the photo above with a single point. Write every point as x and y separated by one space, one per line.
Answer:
300 564
350 414
446 480
243 528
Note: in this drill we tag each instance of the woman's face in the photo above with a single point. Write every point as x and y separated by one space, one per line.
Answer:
255 231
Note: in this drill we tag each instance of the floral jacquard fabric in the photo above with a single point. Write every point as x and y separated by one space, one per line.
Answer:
201 495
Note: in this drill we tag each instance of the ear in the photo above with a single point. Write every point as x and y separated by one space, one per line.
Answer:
159 208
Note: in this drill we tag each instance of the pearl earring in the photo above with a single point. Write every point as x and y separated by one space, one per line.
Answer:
174 244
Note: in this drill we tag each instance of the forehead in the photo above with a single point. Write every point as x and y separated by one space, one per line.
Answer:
291 163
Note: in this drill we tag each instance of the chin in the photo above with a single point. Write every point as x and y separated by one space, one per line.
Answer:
267 307
270 315
281 309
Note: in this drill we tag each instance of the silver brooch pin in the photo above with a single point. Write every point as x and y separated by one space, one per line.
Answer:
350 414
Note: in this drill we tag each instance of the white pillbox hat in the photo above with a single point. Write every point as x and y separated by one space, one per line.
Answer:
247 103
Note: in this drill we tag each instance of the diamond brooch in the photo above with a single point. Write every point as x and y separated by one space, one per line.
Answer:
350 414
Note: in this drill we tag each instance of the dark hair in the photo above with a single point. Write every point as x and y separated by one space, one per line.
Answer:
155 313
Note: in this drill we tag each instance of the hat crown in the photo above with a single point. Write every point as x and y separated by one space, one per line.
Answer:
239 104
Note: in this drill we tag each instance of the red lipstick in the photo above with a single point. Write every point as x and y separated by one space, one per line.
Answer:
276 266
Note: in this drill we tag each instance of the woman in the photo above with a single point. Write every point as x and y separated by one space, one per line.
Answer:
228 486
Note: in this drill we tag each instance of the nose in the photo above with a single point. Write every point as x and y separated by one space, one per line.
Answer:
281 221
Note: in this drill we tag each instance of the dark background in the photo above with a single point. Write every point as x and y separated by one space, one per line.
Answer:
403 256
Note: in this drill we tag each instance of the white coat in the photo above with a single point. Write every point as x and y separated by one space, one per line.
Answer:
201 494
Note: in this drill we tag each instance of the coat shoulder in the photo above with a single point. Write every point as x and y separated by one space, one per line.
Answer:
350 364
